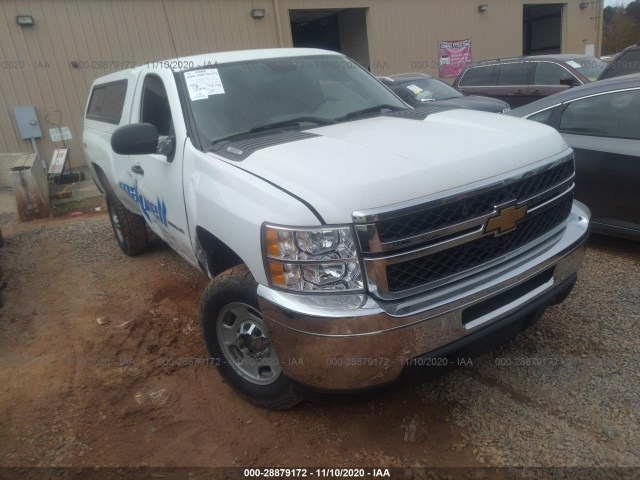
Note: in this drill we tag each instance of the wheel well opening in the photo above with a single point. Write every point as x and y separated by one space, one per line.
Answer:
217 255
99 178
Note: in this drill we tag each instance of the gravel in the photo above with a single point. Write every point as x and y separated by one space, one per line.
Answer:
566 393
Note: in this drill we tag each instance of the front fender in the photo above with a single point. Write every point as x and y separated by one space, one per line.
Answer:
232 204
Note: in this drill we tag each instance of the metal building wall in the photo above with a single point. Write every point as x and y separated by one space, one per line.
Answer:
106 35
404 34
114 34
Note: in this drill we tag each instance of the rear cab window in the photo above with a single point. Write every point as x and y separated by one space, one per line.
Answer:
107 102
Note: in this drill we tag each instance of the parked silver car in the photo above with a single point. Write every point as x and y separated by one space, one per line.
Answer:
601 122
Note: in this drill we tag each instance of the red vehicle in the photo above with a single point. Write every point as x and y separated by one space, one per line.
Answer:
522 80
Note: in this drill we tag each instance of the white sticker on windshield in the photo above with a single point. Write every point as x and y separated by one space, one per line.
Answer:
574 64
202 83
415 89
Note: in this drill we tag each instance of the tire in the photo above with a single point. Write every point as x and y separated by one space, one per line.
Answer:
129 229
235 333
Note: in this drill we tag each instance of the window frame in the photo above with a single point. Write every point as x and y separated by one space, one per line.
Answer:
142 93
96 118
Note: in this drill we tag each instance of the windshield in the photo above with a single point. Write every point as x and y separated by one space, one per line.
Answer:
590 67
430 89
247 97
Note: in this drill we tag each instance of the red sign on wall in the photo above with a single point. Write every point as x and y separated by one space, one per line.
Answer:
453 57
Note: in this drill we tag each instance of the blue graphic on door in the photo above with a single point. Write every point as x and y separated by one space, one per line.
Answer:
154 212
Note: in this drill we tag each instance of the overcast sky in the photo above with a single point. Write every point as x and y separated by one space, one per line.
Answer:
615 2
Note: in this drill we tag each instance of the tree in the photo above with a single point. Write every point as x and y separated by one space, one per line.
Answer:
633 10
608 14
621 27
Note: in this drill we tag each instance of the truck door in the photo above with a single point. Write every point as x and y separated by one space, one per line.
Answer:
158 186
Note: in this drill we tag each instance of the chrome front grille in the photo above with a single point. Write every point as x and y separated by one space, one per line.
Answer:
413 273
435 240
412 225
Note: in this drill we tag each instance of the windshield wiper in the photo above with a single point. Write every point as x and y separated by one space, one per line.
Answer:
292 122
369 111
285 123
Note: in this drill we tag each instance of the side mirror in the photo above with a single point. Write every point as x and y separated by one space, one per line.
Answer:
167 147
135 139
569 81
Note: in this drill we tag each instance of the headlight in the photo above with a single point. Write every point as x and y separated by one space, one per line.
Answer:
312 259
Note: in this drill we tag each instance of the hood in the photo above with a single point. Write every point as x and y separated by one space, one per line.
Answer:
476 102
384 160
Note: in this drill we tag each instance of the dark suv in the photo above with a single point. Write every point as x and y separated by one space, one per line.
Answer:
625 63
419 90
522 80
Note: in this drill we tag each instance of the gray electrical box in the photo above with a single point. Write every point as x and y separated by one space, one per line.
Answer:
27 121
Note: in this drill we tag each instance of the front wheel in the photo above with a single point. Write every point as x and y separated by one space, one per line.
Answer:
130 229
237 338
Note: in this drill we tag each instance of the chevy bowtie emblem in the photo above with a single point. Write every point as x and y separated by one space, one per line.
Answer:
506 220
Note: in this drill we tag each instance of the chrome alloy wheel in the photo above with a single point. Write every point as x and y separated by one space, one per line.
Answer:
245 344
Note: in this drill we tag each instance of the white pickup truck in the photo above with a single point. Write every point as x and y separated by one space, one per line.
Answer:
349 239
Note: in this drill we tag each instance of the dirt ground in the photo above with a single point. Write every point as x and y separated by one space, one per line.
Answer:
82 394
99 358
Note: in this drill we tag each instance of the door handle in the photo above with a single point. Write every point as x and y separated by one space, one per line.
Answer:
535 91
519 92
137 169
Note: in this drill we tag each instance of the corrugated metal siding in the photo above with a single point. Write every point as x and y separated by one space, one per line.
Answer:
403 36
114 34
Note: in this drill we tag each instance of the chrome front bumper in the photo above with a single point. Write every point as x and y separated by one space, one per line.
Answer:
344 342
